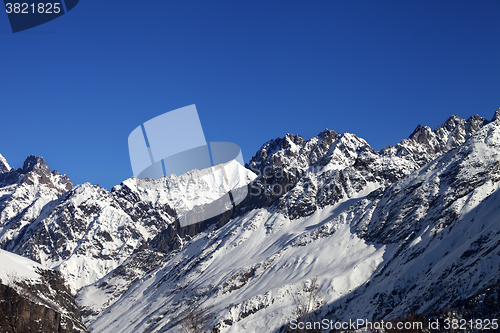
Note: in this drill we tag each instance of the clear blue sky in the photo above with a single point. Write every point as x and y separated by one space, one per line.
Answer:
73 89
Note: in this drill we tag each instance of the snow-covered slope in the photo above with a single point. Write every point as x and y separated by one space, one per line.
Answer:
244 272
419 241
15 266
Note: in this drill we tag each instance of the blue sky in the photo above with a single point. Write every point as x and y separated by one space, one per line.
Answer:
73 89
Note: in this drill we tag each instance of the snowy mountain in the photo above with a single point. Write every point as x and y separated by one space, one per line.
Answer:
34 299
364 246
440 228
88 231
24 193
410 227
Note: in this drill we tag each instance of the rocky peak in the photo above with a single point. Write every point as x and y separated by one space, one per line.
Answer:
293 151
4 166
474 123
496 116
452 123
327 137
425 144
35 164
34 172
273 151
421 134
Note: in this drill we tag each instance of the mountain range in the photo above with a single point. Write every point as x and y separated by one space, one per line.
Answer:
412 228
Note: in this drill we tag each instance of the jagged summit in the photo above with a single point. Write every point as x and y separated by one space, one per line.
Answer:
421 134
4 166
496 116
346 160
422 145
449 135
35 172
35 163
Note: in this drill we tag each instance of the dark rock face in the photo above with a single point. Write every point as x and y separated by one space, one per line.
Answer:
421 135
483 304
284 166
303 153
47 306
37 164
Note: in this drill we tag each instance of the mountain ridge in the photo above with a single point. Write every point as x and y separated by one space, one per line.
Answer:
304 192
